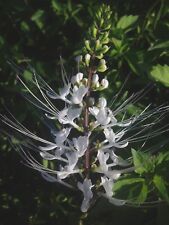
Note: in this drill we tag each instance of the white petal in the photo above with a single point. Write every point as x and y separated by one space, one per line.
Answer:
81 144
78 95
47 156
48 147
86 187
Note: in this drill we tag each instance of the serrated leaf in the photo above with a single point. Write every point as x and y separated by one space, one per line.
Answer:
139 161
126 22
161 187
161 74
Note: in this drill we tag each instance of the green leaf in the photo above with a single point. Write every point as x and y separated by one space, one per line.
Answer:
132 189
160 45
37 17
27 75
161 74
143 162
161 187
126 22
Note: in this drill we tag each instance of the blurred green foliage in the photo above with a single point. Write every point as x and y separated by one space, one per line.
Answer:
38 33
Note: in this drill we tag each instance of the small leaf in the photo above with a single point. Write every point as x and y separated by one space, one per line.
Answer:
161 187
126 22
161 74
37 17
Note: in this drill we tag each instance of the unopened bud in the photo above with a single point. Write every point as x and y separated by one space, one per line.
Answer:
102 102
79 77
95 78
97 44
102 66
87 59
105 49
87 44
104 83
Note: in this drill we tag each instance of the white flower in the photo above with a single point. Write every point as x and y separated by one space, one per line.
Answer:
77 78
78 94
81 143
63 93
103 157
114 139
68 115
70 167
108 187
86 187
101 115
61 136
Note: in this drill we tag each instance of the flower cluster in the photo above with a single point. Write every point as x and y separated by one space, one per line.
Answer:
86 138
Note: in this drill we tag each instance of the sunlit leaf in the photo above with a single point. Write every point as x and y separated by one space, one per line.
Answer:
126 22
161 74
161 187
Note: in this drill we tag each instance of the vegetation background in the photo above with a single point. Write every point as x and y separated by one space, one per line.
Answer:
39 32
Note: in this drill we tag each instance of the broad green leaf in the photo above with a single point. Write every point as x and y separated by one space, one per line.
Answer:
126 22
161 74
133 189
161 187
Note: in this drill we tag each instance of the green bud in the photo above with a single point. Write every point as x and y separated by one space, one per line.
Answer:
105 48
101 22
105 38
94 32
99 56
102 66
98 45
107 27
102 62
87 44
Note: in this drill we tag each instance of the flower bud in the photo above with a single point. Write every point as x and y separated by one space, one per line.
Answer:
102 66
102 102
87 44
79 77
87 59
94 31
98 45
95 78
105 48
104 83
